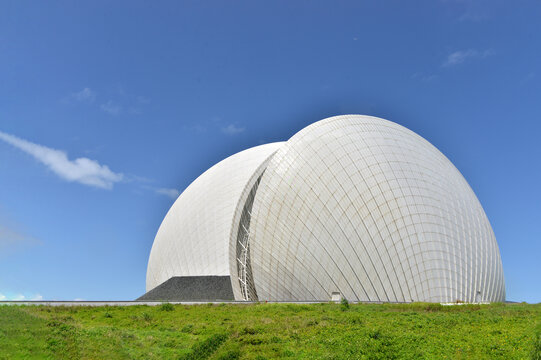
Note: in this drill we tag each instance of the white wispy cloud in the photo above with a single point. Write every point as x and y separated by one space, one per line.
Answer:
216 123
172 193
10 239
20 297
115 102
82 170
85 95
460 56
137 179
232 129
111 108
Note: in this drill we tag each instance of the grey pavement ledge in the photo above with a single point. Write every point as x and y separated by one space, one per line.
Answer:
192 288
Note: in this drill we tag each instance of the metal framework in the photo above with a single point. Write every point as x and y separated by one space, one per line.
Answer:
243 247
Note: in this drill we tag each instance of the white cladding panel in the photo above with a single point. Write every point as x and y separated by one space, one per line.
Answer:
365 207
193 238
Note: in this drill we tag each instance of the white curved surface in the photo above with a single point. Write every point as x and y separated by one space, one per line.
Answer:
193 239
367 208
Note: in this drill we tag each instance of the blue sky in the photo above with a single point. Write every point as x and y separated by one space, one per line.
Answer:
108 109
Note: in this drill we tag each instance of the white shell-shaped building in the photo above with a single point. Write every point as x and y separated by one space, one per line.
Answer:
350 205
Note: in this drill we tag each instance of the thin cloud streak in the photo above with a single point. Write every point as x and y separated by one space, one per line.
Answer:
81 170
111 108
461 56
121 103
172 193
232 129
85 95
10 239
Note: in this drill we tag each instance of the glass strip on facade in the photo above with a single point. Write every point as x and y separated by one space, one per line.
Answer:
243 247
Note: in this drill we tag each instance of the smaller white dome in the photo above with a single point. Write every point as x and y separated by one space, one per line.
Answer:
193 239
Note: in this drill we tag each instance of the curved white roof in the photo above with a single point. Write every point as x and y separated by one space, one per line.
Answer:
365 207
194 237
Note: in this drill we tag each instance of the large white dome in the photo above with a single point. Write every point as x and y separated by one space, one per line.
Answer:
365 207
352 204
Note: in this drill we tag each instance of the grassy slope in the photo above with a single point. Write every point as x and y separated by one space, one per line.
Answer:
332 331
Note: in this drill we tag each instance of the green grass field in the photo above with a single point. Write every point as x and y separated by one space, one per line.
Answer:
269 331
